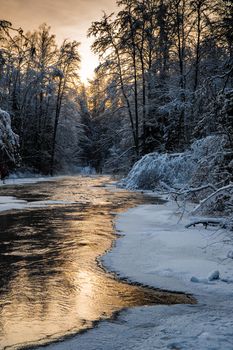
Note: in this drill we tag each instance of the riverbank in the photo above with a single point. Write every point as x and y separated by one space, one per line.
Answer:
155 249
11 202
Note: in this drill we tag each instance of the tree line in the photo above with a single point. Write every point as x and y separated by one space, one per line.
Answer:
38 83
165 76
164 80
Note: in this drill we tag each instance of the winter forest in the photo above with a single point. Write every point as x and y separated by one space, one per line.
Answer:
143 149
163 82
163 87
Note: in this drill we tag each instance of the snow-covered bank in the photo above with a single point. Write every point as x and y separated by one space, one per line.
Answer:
201 174
161 327
10 203
158 250
155 249
26 180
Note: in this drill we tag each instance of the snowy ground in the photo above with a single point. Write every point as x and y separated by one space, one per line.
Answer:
25 180
157 250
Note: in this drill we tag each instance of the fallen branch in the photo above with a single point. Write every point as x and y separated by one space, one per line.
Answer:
194 190
208 221
213 196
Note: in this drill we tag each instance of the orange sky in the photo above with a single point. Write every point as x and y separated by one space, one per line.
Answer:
67 18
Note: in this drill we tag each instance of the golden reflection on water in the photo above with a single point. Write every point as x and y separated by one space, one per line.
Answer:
50 283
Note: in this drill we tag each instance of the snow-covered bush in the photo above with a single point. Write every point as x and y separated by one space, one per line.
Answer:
154 168
208 154
9 142
195 167
8 139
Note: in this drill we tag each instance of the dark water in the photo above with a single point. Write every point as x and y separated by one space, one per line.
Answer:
50 282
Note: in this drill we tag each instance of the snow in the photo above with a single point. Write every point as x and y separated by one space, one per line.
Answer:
9 141
161 327
158 250
215 200
196 166
25 180
8 203
12 203
153 168
155 249
6 133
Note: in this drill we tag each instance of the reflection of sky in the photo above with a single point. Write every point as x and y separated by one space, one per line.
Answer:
50 283
68 19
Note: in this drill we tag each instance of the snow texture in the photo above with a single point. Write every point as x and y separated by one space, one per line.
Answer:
194 166
155 249
216 201
15 180
9 141
12 203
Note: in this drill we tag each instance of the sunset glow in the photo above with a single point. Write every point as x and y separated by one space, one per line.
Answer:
68 19
89 61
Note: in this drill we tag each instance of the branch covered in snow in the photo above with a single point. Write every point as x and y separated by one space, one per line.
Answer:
216 201
9 141
196 169
208 221
191 191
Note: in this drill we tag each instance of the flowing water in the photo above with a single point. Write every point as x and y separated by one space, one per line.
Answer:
51 284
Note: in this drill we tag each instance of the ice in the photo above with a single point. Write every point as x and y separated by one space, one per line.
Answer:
194 279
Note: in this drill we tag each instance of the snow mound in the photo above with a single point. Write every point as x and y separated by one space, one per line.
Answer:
230 254
214 276
192 167
155 168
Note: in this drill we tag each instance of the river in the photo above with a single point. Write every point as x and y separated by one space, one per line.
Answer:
52 283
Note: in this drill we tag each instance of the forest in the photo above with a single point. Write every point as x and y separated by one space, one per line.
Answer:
116 195
164 82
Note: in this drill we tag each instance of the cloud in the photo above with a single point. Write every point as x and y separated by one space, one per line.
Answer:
63 12
66 17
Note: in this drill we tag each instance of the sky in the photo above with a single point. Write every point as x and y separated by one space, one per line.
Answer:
69 19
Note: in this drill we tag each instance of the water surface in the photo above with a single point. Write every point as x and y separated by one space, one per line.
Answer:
51 283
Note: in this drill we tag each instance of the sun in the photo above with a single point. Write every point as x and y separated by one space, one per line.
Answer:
89 62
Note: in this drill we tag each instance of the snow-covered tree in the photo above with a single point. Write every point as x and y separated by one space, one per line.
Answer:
9 144
35 84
